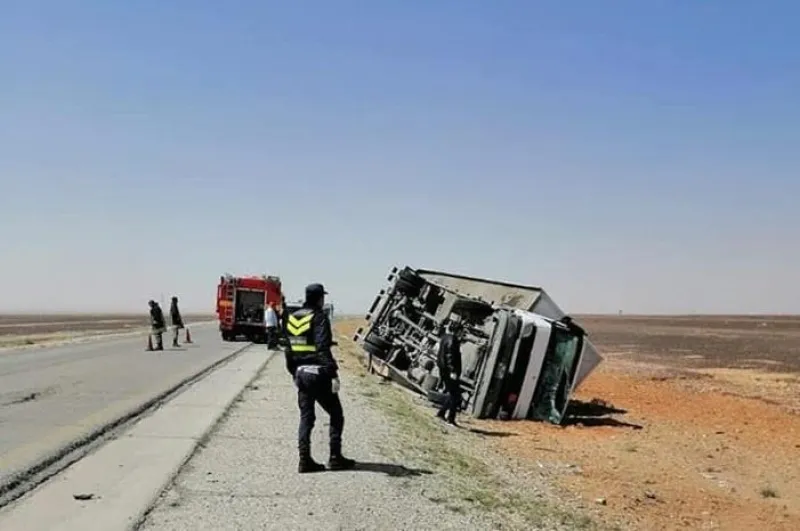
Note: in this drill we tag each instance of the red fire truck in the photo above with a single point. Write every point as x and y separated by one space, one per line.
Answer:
241 302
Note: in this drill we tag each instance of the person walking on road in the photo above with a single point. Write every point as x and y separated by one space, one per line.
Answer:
157 324
271 323
449 361
177 320
316 375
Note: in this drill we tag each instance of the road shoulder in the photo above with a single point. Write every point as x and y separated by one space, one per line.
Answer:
111 488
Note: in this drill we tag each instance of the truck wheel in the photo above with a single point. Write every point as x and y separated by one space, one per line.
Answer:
226 336
377 346
472 309
408 283
400 360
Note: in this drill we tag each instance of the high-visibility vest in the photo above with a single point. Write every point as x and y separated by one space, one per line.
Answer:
300 332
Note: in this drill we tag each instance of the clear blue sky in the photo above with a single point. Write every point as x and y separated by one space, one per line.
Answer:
626 155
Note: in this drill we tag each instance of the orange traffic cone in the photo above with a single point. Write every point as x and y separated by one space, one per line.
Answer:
149 342
188 336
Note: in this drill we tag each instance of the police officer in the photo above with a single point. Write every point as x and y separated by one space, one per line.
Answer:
176 319
157 324
316 374
449 362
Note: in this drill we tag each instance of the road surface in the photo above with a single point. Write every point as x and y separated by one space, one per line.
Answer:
53 396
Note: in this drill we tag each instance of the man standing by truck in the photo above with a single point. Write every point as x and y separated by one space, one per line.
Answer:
271 323
177 321
316 374
157 324
449 361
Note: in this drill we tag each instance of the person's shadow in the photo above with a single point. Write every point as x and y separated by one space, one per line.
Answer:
395 471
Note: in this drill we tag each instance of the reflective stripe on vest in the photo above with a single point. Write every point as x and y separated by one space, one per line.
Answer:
299 330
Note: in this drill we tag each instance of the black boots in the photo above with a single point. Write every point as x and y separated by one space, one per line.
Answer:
307 464
336 462
340 462
448 419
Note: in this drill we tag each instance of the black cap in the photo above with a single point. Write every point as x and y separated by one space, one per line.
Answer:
315 290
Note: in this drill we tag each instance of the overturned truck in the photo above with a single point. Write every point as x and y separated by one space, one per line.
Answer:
522 356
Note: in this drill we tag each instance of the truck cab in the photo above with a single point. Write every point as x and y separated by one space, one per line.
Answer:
529 370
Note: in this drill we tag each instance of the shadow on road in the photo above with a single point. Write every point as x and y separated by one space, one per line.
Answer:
596 413
396 471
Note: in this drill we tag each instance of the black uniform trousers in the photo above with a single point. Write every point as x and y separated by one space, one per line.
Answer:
316 388
452 401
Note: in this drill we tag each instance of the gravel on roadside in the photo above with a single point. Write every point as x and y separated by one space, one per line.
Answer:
245 476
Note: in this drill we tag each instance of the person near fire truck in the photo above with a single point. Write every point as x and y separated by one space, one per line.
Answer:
316 375
271 324
177 320
157 324
449 361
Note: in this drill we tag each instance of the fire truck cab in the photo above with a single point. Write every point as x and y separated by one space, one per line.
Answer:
241 302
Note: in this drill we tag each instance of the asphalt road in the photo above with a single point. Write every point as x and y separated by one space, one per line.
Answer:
53 396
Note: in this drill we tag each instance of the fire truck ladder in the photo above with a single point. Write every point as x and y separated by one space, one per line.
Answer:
228 308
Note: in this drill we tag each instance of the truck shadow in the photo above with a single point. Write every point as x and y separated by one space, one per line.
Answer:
395 471
596 413
487 433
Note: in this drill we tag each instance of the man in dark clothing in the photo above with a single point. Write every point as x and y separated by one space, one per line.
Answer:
449 361
316 374
157 324
177 320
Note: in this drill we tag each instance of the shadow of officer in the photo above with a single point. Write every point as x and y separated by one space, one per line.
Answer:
316 374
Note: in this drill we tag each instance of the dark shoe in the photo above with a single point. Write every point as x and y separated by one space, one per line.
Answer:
176 345
309 465
339 462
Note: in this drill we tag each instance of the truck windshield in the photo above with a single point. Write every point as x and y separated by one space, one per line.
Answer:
553 390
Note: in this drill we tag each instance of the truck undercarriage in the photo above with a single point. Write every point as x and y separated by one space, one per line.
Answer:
521 355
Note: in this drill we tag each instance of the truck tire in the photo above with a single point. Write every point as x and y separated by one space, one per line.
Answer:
433 299
408 283
377 346
226 336
472 309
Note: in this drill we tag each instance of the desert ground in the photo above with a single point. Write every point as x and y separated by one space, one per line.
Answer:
35 329
690 423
